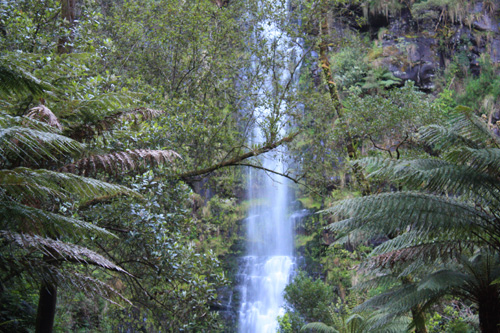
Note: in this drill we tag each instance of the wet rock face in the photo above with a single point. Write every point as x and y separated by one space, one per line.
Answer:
418 49
413 58
485 18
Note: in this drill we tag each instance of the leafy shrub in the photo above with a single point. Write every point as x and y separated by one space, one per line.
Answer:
310 298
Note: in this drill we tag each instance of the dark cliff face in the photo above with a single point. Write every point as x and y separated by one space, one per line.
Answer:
418 42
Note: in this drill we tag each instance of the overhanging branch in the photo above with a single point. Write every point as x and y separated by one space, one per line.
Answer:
296 181
186 176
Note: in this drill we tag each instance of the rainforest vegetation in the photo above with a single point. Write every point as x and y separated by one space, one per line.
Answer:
124 149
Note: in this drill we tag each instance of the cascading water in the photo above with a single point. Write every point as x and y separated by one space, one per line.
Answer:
267 268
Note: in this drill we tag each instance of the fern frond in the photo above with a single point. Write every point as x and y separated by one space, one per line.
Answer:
436 175
442 280
383 322
485 160
58 250
94 286
318 327
39 185
7 121
384 281
98 123
19 82
466 129
24 219
103 104
419 255
395 212
355 323
121 162
415 249
33 146
401 299
38 270
43 113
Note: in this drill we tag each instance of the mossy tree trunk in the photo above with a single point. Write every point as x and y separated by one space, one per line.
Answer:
334 96
68 15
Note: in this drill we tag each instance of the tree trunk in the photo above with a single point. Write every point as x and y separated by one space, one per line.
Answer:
418 319
334 96
68 13
489 311
46 308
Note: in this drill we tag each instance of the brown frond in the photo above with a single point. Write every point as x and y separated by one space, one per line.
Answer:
121 161
85 131
43 113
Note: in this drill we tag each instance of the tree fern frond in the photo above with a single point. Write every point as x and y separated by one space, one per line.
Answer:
384 322
436 175
485 160
443 138
36 185
24 219
318 327
102 104
401 299
63 276
7 121
121 161
466 129
423 212
384 281
18 82
43 113
442 280
419 255
58 250
94 286
355 323
440 245
33 146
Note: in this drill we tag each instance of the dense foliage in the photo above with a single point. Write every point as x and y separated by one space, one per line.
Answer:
125 127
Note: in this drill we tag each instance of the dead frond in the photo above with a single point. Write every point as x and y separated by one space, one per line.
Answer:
43 113
121 161
89 130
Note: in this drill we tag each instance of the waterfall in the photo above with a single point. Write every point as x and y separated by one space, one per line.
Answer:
267 268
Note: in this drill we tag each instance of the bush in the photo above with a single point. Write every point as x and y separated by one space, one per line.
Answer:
310 298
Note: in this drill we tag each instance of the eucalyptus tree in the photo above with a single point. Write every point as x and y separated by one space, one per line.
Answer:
447 205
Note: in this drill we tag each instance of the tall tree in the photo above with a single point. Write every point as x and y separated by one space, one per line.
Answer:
68 15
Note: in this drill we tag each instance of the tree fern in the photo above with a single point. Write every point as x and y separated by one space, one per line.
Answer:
449 207
464 130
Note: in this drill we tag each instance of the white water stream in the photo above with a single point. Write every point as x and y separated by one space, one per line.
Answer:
267 268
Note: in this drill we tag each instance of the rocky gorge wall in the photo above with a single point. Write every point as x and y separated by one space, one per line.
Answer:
418 39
